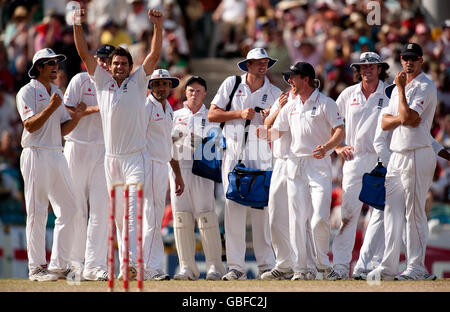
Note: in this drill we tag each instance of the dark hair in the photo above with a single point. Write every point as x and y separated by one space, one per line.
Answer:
357 74
119 51
196 79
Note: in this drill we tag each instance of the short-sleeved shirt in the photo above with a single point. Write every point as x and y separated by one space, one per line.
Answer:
282 146
184 124
264 97
122 110
421 96
32 99
361 115
89 129
309 123
159 130
382 139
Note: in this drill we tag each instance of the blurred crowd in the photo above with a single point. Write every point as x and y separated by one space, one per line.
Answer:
328 34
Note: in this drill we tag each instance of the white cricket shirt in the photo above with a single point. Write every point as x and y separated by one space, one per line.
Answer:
361 115
89 129
382 139
282 146
184 124
32 99
122 111
264 97
309 123
421 96
159 130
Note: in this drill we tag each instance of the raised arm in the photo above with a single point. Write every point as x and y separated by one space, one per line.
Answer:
282 100
81 44
151 60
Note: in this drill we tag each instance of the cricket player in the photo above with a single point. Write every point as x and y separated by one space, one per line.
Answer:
360 106
85 153
255 90
44 169
310 122
159 150
197 201
121 95
410 170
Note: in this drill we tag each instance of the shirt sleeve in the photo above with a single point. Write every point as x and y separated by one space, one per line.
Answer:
424 96
282 122
72 96
382 140
65 116
340 102
332 114
223 94
26 103
100 77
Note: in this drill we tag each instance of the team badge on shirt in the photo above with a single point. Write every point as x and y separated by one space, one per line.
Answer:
380 104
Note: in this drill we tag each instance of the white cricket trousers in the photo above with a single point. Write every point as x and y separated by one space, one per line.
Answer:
235 221
47 178
344 242
154 205
408 179
309 193
129 169
279 216
87 167
371 252
198 195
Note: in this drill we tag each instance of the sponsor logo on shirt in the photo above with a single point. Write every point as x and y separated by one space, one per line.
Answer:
41 98
239 93
26 109
294 111
313 112
354 102
89 92
420 104
264 99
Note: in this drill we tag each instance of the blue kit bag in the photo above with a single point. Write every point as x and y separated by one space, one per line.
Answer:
208 155
249 187
373 191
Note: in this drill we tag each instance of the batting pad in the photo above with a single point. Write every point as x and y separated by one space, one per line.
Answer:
183 227
211 242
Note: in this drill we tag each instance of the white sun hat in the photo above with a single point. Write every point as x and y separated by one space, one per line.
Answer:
41 56
256 54
163 74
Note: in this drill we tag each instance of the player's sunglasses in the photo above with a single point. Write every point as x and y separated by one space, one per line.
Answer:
407 58
50 62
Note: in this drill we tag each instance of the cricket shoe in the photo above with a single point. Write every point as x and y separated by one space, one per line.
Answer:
213 276
360 274
336 275
378 275
415 276
156 275
276 274
234 275
185 275
95 275
71 274
307 275
41 274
